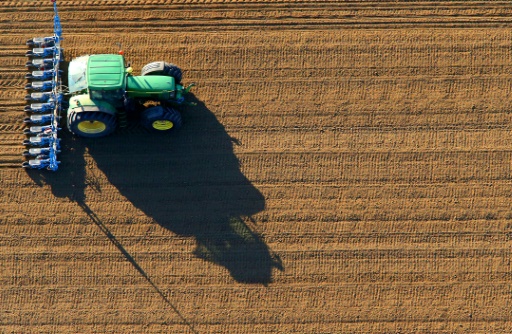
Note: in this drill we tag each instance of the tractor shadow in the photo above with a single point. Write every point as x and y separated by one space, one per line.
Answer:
189 182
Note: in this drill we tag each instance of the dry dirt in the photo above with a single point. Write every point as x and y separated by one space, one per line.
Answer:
348 169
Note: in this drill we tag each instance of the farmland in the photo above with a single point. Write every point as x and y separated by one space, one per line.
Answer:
347 169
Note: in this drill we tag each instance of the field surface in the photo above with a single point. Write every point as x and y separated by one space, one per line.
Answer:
348 169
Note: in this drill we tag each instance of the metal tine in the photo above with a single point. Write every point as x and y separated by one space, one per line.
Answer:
36 151
38 119
39 140
41 63
39 129
42 75
40 96
41 86
37 163
41 41
42 52
40 107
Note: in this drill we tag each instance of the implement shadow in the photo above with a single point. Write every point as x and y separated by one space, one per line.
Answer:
189 182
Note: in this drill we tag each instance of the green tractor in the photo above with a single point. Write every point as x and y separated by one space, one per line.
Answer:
103 91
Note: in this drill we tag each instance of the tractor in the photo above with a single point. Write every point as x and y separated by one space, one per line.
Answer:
103 91
102 94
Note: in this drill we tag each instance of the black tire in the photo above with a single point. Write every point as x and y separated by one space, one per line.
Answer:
101 124
163 68
161 119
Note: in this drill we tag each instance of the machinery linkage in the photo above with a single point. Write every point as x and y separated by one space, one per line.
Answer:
45 100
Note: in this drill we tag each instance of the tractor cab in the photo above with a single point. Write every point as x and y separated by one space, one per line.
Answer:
102 76
106 77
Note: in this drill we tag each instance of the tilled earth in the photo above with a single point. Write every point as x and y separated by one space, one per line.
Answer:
348 169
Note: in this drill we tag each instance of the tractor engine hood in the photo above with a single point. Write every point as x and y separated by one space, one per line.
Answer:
151 86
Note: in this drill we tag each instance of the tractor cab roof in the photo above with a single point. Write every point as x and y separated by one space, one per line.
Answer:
106 72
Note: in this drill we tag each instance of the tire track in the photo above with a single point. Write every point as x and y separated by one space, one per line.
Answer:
317 17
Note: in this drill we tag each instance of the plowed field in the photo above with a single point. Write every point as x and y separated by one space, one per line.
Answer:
348 169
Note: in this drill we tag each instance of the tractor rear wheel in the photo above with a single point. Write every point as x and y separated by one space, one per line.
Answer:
163 68
160 119
91 124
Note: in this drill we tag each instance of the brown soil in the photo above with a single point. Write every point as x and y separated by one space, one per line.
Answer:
348 169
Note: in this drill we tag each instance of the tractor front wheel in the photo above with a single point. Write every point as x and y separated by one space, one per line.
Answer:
161 119
91 124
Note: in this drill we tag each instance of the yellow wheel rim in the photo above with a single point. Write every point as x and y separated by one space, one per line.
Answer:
92 127
163 125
